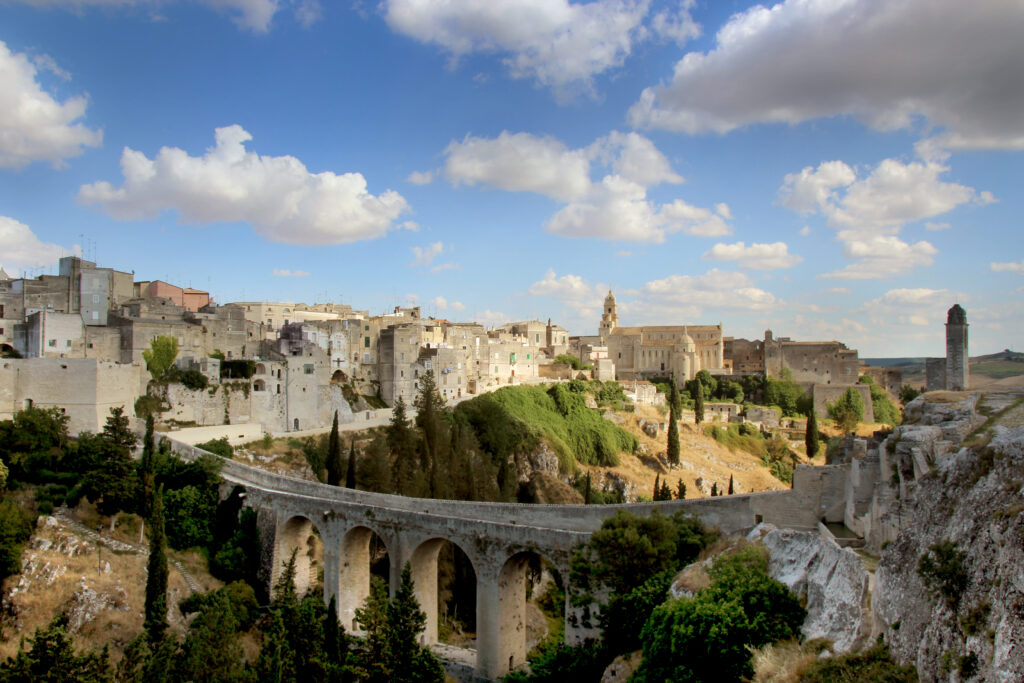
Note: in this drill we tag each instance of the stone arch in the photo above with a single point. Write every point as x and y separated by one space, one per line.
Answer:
339 377
300 535
355 567
259 385
261 369
512 599
423 563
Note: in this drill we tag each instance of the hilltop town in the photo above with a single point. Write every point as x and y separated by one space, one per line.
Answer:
76 341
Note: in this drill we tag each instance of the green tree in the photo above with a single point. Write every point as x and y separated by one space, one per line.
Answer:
372 661
943 570
568 359
732 485
410 661
334 468
884 410
401 440
680 490
189 513
211 651
51 657
147 470
350 470
847 410
811 436
3 475
698 406
155 622
111 480
673 424
16 526
117 429
160 356
908 394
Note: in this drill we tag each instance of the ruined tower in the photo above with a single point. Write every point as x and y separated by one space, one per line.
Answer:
610 317
957 371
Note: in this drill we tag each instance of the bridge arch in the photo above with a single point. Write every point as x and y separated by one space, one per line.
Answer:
298 534
355 567
424 569
517 577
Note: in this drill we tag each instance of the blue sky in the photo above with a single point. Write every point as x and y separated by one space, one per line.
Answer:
840 169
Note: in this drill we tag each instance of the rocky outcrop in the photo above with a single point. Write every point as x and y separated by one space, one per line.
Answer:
830 580
974 500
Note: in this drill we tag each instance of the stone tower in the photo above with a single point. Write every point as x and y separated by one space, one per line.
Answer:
957 371
610 317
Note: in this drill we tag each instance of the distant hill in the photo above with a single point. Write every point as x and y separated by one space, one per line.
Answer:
994 365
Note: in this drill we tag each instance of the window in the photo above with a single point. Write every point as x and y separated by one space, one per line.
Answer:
95 298
366 342
95 315
366 328
67 342
308 369
53 342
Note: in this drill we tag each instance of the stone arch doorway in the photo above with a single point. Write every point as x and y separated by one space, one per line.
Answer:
446 585
339 377
364 554
300 536
531 589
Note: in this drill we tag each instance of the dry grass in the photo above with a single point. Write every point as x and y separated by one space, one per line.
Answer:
781 662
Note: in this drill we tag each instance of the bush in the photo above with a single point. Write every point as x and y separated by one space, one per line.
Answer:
568 359
874 664
944 572
847 410
148 405
15 528
557 662
219 447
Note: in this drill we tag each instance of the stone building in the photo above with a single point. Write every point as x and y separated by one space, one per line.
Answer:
186 297
817 362
646 352
951 373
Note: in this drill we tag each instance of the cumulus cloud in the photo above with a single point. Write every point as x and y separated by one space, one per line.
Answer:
714 289
458 306
570 290
756 256
918 307
33 125
441 267
277 196
556 43
805 231
936 226
882 256
20 248
285 272
616 207
421 177
439 302
424 256
1008 267
252 15
887 63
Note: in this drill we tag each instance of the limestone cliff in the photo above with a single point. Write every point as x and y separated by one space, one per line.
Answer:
973 498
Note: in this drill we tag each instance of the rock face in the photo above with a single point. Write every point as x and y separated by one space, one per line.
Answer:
831 579
975 500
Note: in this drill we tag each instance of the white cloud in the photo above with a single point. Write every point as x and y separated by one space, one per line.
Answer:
623 253
440 268
723 210
881 256
916 307
677 26
936 226
33 125
884 62
277 196
805 231
252 15
615 207
520 162
555 42
1008 267
424 256
570 290
285 272
421 177
756 256
458 306
20 248
714 289
490 318
838 291
440 302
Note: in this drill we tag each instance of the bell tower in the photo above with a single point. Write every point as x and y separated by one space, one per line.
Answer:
957 370
610 317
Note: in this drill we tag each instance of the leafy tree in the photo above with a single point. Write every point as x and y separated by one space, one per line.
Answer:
147 470
34 441
155 622
51 658
160 356
847 410
430 410
211 650
706 637
117 429
350 471
568 359
190 512
3 475
16 525
673 424
334 455
884 410
401 442
221 447
111 480
908 394
680 490
812 437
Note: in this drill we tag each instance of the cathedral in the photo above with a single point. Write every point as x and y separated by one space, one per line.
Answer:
654 351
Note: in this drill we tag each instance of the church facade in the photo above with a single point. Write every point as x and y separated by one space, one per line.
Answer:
654 351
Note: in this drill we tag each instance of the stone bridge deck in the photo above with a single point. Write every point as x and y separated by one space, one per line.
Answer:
500 540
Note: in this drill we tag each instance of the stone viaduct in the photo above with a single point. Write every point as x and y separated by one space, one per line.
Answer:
498 538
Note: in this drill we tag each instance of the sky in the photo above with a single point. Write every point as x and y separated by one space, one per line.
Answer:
826 169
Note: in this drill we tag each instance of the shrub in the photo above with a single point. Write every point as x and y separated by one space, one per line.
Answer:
874 664
847 410
219 447
944 572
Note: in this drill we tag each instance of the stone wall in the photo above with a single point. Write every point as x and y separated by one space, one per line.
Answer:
217 405
824 394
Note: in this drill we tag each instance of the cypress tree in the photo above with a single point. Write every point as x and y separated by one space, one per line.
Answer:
334 455
586 491
698 404
714 489
732 488
680 490
350 471
657 487
666 492
811 437
156 581
147 468
673 423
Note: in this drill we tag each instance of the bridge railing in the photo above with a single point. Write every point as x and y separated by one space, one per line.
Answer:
727 512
